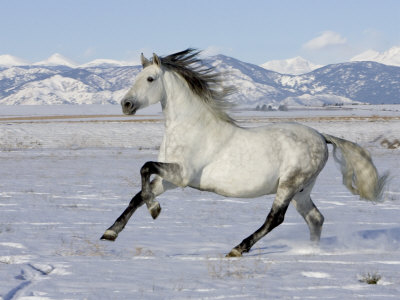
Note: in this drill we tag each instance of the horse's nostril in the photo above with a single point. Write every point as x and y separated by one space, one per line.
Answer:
128 106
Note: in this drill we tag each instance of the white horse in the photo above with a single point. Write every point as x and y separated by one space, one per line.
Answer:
205 149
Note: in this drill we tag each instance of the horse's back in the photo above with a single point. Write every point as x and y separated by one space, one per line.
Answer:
254 159
302 148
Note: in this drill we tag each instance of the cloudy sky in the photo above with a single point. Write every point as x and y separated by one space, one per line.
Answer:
322 31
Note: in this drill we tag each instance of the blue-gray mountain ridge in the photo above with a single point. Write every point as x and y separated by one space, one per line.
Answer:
343 83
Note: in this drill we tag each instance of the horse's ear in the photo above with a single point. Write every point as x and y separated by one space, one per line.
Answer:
156 60
145 61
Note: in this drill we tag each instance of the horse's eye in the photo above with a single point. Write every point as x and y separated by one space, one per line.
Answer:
150 79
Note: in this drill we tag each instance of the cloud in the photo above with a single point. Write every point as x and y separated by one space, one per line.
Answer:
89 52
326 39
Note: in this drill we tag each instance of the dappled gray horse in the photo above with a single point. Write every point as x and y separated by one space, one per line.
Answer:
205 149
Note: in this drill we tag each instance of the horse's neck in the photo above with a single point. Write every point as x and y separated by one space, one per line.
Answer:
190 125
182 109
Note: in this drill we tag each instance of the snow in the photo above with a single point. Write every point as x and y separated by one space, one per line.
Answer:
293 66
106 63
389 57
65 180
317 100
56 60
7 60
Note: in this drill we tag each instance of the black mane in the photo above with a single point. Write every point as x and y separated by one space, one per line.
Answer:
202 80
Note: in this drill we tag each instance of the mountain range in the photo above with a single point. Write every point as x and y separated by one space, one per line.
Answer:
60 81
299 65
292 66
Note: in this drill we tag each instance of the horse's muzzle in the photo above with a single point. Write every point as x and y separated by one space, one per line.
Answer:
128 106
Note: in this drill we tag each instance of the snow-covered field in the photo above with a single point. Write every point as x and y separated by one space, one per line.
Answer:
66 173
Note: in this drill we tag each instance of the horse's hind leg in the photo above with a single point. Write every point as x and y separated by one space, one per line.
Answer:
275 217
307 209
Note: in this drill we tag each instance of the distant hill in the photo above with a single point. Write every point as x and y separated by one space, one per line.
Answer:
293 66
59 81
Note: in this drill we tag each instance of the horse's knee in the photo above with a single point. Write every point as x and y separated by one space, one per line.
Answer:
147 168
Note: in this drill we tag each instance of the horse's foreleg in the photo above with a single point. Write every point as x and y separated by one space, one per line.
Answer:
112 233
152 189
168 171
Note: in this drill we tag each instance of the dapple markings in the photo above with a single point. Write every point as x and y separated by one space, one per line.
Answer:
205 149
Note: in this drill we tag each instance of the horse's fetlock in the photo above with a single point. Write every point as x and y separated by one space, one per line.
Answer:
147 197
315 218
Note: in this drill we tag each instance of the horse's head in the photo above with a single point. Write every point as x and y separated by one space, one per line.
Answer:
148 87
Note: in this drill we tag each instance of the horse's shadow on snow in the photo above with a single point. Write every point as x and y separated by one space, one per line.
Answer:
371 238
392 234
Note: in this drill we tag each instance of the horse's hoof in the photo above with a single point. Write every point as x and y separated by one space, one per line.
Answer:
155 209
109 235
234 253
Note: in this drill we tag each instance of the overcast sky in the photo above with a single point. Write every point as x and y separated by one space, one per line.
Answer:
323 31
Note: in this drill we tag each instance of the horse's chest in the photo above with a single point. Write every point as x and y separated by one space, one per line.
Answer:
181 146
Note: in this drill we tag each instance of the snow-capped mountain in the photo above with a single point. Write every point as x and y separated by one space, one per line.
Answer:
64 85
389 57
366 82
7 60
293 66
56 60
106 63
107 81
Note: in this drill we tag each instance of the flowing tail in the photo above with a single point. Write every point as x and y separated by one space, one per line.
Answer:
360 175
